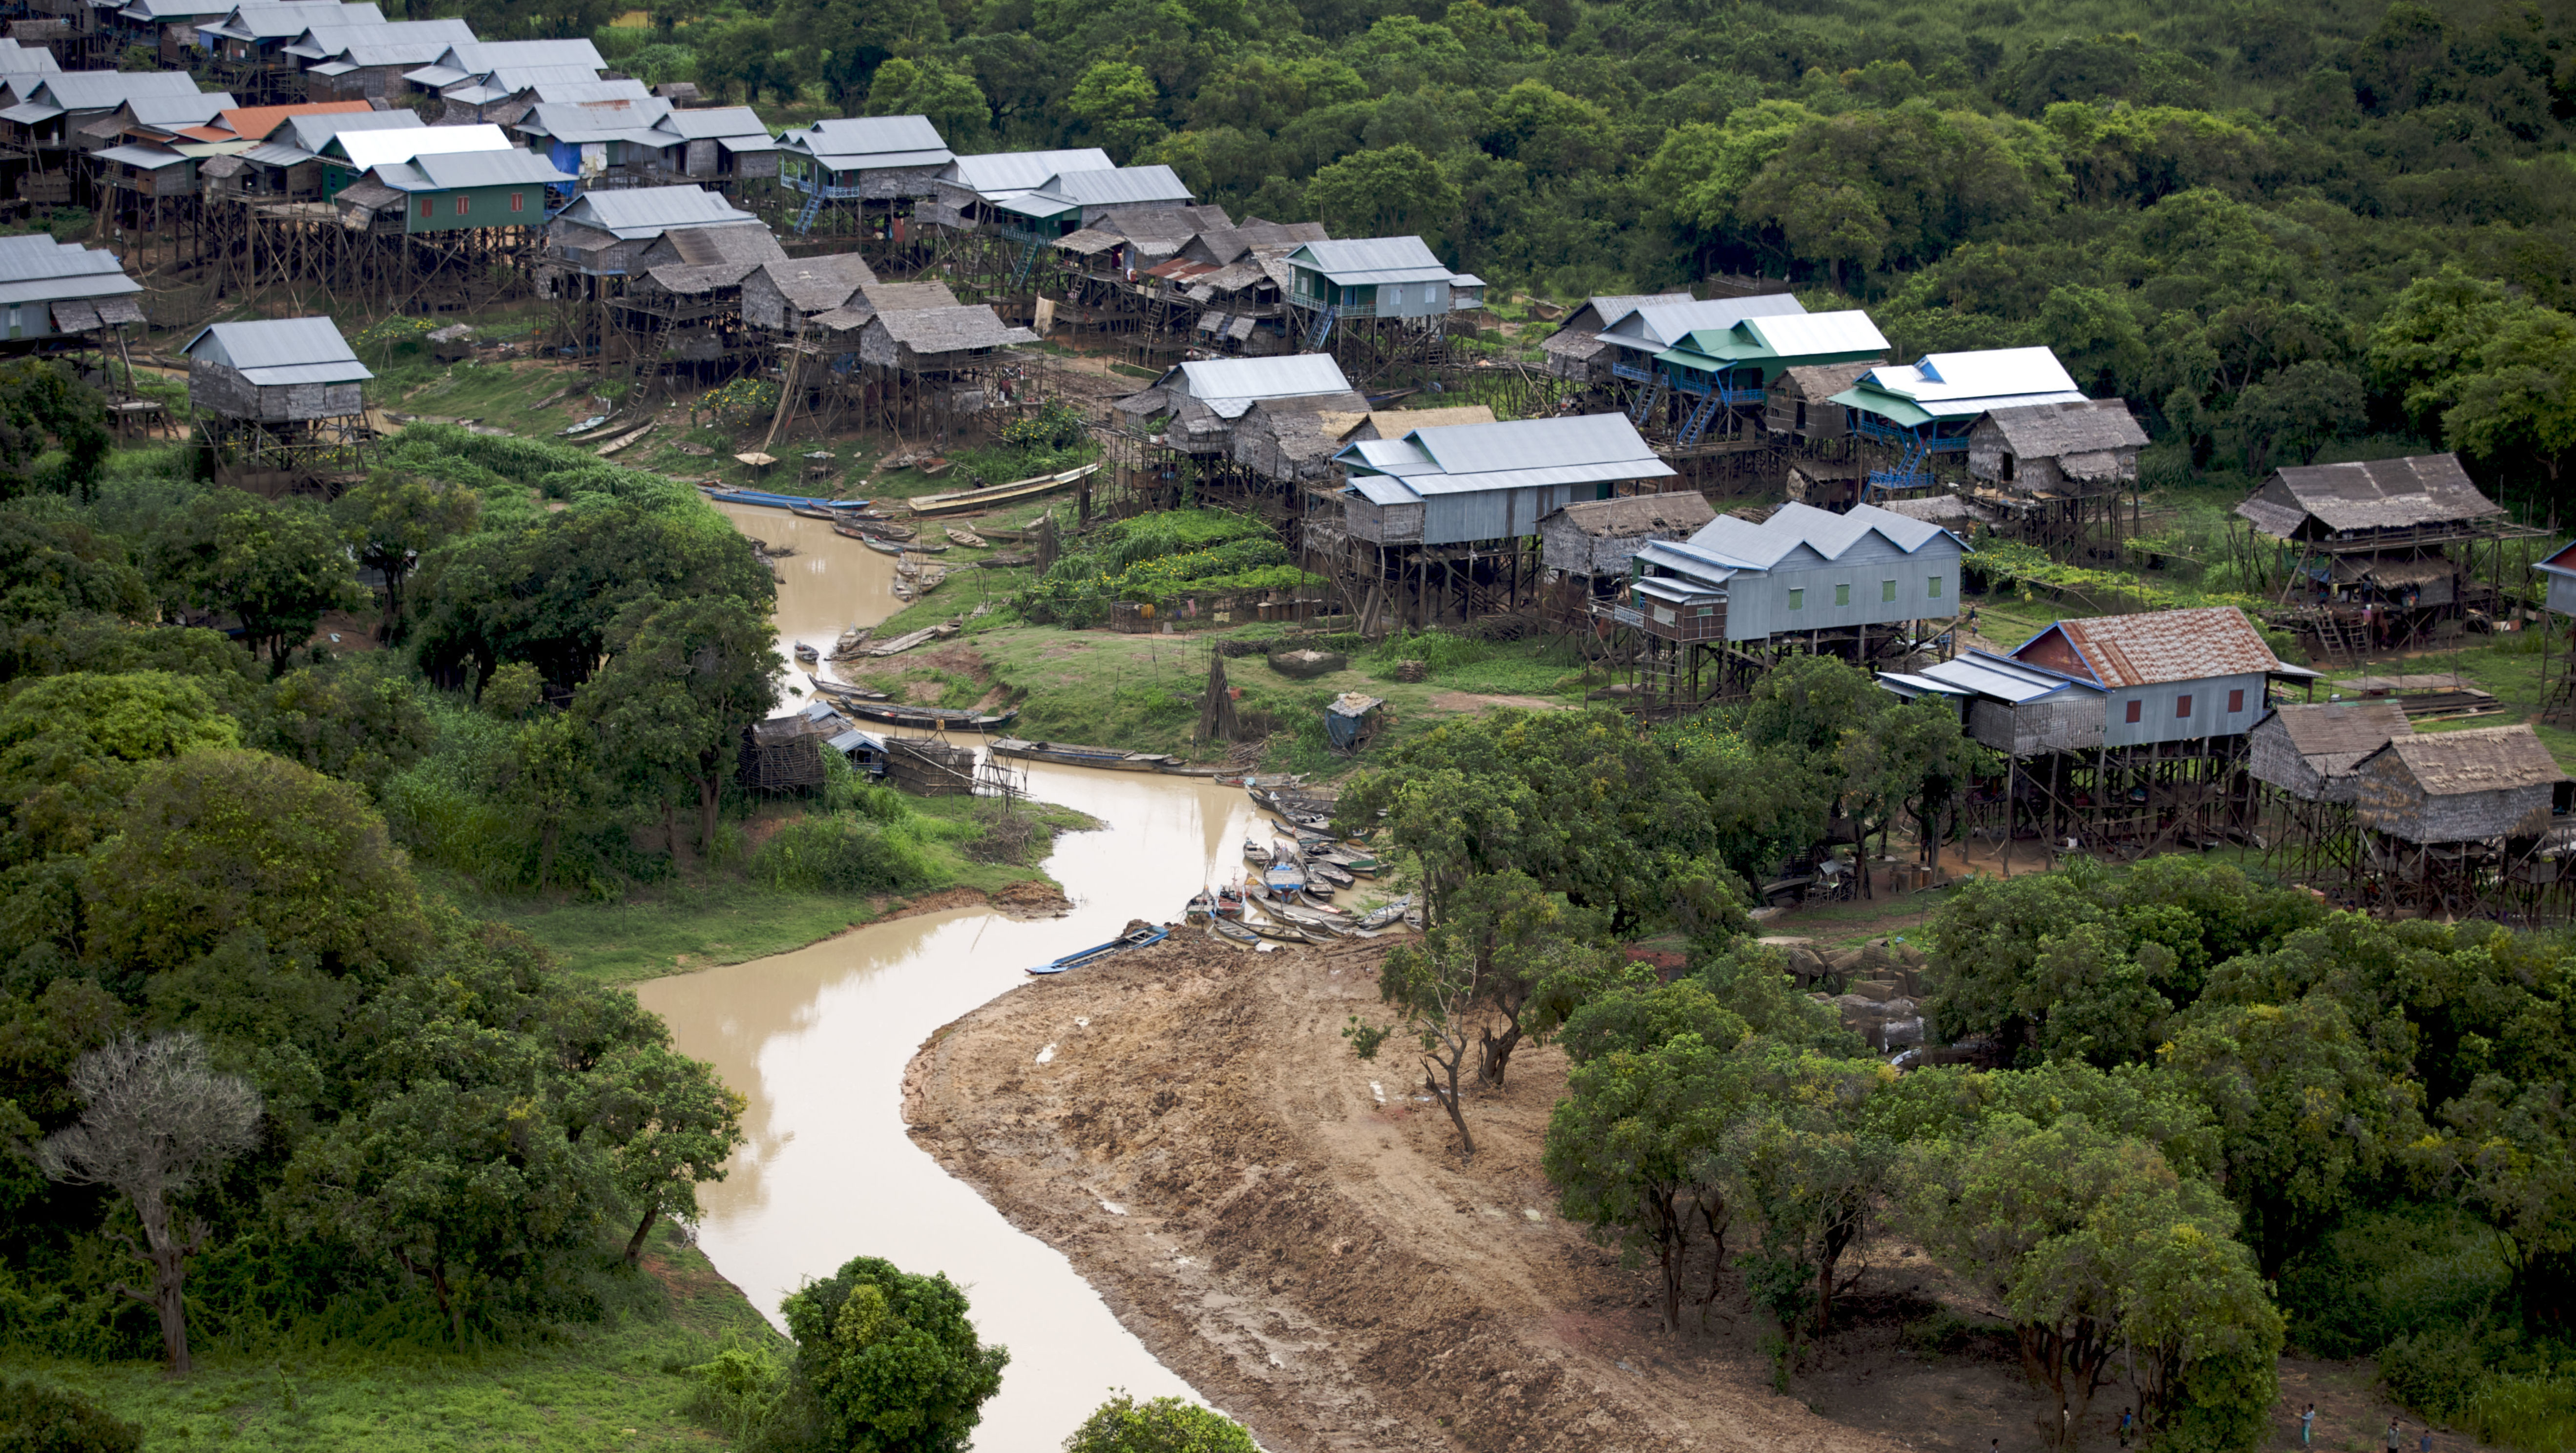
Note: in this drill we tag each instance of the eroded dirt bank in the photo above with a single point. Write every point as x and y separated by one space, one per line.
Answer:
1188 1126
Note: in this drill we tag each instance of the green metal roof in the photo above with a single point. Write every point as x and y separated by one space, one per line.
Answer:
1903 412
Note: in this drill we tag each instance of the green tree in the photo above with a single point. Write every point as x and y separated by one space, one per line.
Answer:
844 41
670 1124
1912 759
391 520
681 689
274 567
1164 1425
72 747
358 720
1804 1170
43 403
887 1361
904 86
2308 1119
1630 1150
1388 191
218 842
1118 101
551 774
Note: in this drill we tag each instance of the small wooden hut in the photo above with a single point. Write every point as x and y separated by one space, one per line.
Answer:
2311 752
1598 538
1798 407
929 768
786 752
2459 787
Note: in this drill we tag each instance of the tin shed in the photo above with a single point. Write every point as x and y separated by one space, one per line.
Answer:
2457 787
1475 482
273 370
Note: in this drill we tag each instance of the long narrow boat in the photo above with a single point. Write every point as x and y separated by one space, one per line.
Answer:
998 494
622 440
869 529
1235 932
1065 754
893 713
843 691
767 500
1386 915
1140 938
882 547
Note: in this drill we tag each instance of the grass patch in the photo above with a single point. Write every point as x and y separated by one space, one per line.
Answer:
620 1383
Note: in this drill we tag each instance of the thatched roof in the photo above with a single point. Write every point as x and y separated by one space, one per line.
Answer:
2481 759
2048 431
2378 494
2340 732
1396 423
815 284
951 330
1679 514
1821 380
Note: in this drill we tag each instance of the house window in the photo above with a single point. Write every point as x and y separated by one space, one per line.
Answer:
1842 595
2137 710
1802 416
2182 707
2008 469
427 206
518 202
2236 700
462 203
1932 587
1886 591
1797 598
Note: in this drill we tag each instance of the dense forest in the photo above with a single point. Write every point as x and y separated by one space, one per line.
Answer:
2284 231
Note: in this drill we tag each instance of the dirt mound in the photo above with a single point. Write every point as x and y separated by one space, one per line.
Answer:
1031 898
1292 1231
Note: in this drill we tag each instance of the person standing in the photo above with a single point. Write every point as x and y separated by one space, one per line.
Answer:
2308 1426
2395 1438
2424 1444
2128 1424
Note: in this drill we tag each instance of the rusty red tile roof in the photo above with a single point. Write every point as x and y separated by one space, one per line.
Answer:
2164 645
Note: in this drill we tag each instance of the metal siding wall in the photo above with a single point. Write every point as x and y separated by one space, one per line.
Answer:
2209 715
1760 603
2562 595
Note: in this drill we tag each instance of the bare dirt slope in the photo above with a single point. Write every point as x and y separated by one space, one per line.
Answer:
1187 1124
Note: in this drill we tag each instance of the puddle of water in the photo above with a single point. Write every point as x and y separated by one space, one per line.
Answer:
817 1039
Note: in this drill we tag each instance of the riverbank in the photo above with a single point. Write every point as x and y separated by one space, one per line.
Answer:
618 1383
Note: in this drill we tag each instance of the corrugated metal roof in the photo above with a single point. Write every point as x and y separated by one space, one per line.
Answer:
91 285
1018 171
1240 381
713 121
1828 534
149 158
35 255
1989 377
1367 260
28 113
618 120
2561 561
528 78
650 211
860 142
275 22
445 171
367 150
1521 454
107 90
172 112
167 12
1115 185
2155 647
1657 326
276 345
278 153
26 58
312 133
2002 679
1808 334
476 57
1696 564
256 122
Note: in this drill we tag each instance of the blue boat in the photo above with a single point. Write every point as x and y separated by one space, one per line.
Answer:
783 501
1138 939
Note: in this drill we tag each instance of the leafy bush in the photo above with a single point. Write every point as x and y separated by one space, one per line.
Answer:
2435 1372
1165 1425
1056 425
1154 558
739 1388
744 402
45 1419
843 855
2535 1414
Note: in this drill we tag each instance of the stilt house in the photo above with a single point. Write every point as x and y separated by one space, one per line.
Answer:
967 190
60 291
2379 532
869 159
780 295
1575 350
2313 751
1802 571
1193 407
2459 787
1487 482
1598 540
1923 412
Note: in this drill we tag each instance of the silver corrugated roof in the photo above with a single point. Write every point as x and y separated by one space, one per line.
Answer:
1981 375
107 90
1657 326
856 143
28 113
275 344
272 22
2001 679
1373 260
1799 334
22 59
1823 531
312 131
477 57
713 121
483 169
1116 185
90 285
1018 171
1234 383
650 211
1521 454
369 149
150 158
36 255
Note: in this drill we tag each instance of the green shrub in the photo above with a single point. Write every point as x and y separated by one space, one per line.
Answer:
41 1419
1165 1425
2534 1414
843 855
739 1388
2435 1372
2383 1275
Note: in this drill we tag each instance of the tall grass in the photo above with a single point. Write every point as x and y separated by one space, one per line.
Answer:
2534 1414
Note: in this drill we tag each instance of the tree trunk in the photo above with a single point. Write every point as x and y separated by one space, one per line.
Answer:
671 833
546 839
1496 1056
710 797
168 1257
643 1230
1449 1101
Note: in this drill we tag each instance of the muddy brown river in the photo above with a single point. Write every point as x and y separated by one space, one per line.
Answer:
817 1040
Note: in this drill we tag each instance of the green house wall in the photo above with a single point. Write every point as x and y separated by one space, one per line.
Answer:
485 207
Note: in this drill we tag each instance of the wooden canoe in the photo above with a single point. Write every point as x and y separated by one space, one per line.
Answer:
965 537
1067 755
1018 489
622 440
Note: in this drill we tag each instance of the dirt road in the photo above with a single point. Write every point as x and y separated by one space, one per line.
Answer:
1292 1230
